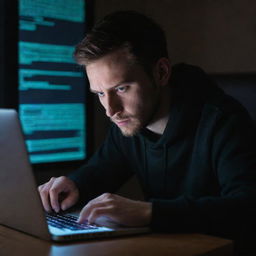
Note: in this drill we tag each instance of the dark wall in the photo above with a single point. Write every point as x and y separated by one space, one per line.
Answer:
2 37
218 35
8 53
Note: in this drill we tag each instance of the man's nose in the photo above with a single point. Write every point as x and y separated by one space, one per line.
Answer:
112 105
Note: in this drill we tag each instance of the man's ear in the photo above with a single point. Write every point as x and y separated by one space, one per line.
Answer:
162 71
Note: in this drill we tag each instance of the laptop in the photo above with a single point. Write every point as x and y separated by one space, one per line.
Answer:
21 206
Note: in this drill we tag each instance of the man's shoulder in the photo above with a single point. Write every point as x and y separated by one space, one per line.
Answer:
200 88
226 104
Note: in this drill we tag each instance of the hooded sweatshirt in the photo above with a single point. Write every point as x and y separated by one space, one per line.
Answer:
200 175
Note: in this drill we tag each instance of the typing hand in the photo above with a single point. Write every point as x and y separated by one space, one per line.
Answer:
58 194
119 209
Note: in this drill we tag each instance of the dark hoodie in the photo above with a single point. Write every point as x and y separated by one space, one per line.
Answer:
200 174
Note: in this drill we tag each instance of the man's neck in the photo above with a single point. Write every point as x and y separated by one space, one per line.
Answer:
159 122
158 126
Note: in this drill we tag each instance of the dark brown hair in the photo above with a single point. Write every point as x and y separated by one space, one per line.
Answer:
143 38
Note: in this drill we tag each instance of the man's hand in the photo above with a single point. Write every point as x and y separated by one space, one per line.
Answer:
119 209
58 194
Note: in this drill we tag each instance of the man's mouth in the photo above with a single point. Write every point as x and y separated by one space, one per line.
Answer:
121 122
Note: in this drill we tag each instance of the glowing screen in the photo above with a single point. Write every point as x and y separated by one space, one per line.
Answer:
52 102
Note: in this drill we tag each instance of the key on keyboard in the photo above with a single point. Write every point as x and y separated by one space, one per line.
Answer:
67 222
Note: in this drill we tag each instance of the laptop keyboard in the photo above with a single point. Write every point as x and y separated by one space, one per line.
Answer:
67 222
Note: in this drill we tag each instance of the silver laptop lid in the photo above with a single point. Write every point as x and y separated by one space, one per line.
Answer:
19 209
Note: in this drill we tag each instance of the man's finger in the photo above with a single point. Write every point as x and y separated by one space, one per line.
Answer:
54 198
45 199
44 194
84 213
98 212
87 210
69 201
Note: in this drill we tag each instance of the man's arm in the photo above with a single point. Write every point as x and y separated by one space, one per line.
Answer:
107 170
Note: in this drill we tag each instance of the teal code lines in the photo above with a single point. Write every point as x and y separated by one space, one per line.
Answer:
36 118
26 84
31 52
70 10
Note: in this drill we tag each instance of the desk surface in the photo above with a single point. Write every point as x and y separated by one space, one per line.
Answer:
16 243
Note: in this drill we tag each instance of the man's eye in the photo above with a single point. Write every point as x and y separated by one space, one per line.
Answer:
121 88
100 94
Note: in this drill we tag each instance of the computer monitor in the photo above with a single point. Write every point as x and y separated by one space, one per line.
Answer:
51 92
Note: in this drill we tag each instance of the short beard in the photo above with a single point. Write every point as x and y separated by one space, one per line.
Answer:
130 132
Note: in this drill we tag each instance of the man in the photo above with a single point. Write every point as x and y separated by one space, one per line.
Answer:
191 146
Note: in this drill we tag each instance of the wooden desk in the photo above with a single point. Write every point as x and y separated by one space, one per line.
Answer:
14 243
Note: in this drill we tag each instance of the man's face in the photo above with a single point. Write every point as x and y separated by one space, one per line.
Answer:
126 92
